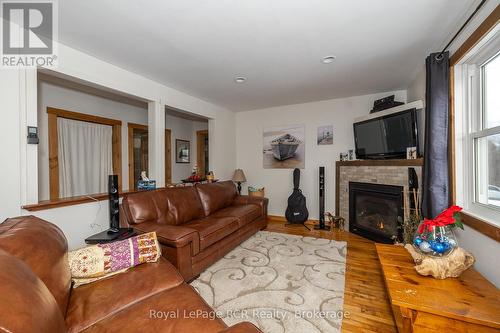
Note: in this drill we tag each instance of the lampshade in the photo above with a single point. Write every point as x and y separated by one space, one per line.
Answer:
239 176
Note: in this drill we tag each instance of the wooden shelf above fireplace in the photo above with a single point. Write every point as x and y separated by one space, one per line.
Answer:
416 162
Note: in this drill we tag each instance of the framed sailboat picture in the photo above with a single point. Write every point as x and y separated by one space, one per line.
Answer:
284 147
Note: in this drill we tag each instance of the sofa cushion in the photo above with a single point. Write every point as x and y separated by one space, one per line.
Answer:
179 309
97 301
145 206
173 235
26 305
215 196
184 205
246 199
43 247
213 229
245 214
172 206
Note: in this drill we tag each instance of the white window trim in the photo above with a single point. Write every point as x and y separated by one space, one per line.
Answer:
468 126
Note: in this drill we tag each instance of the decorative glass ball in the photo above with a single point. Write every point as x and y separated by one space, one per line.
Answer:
425 247
438 247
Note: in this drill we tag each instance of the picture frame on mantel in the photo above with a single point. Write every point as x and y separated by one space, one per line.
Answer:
182 151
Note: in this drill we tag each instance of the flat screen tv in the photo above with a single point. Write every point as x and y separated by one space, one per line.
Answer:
387 136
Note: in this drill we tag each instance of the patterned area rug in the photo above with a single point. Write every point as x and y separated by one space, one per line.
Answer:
281 283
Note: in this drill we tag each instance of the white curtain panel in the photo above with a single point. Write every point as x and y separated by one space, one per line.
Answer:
85 157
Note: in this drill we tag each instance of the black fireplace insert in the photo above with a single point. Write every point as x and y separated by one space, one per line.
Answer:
376 211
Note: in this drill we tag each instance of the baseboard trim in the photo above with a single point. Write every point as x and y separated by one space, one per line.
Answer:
282 219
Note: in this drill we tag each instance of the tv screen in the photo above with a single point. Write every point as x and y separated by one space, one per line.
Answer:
386 136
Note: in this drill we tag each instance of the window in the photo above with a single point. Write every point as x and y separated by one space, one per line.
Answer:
486 136
85 157
477 124
491 96
83 150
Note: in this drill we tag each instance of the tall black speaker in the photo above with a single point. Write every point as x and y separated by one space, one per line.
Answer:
114 203
321 186
114 232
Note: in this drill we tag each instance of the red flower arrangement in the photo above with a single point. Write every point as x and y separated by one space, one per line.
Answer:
449 216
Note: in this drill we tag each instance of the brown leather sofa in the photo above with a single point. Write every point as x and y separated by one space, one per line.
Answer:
36 293
196 225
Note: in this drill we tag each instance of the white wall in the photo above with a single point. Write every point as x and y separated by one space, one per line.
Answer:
416 89
50 95
485 249
18 102
10 142
183 129
278 182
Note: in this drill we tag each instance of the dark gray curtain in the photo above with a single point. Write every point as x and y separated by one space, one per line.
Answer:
435 196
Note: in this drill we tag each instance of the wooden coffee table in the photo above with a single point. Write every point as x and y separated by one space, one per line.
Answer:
469 303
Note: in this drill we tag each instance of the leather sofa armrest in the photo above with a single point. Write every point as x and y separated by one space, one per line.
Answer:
244 327
172 235
246 199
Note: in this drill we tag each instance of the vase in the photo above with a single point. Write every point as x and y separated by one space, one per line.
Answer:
434 240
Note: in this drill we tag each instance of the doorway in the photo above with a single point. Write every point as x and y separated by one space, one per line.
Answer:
138 154
202 152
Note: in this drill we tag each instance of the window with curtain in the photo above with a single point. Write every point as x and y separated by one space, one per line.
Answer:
85 157
477 123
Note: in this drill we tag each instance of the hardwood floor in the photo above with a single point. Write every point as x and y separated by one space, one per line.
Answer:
365 298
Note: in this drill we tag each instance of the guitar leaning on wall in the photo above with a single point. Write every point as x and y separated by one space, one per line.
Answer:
296 211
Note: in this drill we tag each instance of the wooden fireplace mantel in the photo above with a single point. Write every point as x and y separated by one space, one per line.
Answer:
416 162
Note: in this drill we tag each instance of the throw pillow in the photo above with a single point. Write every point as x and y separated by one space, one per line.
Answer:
100 261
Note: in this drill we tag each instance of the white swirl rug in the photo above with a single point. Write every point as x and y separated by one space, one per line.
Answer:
281 283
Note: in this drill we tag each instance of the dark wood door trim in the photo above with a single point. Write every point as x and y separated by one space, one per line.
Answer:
200 150
131 128
168 157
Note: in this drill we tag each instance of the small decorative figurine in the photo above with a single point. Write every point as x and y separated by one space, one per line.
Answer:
336 222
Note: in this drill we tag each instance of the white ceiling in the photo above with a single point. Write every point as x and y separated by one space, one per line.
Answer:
200 46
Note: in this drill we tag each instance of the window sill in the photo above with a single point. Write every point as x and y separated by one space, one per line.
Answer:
481 226
71 201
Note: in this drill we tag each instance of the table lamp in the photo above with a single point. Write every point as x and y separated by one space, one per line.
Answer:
239 177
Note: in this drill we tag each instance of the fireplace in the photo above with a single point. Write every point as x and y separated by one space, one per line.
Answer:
376 211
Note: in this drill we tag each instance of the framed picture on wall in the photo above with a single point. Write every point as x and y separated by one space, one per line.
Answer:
182 151
325 135
284 147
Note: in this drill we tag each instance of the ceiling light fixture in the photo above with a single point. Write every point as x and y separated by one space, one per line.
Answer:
328 59
240 79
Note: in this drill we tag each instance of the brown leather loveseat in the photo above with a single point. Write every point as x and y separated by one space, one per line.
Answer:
196 225
36 293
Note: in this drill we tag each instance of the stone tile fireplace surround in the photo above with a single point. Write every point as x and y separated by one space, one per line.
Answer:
384 172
